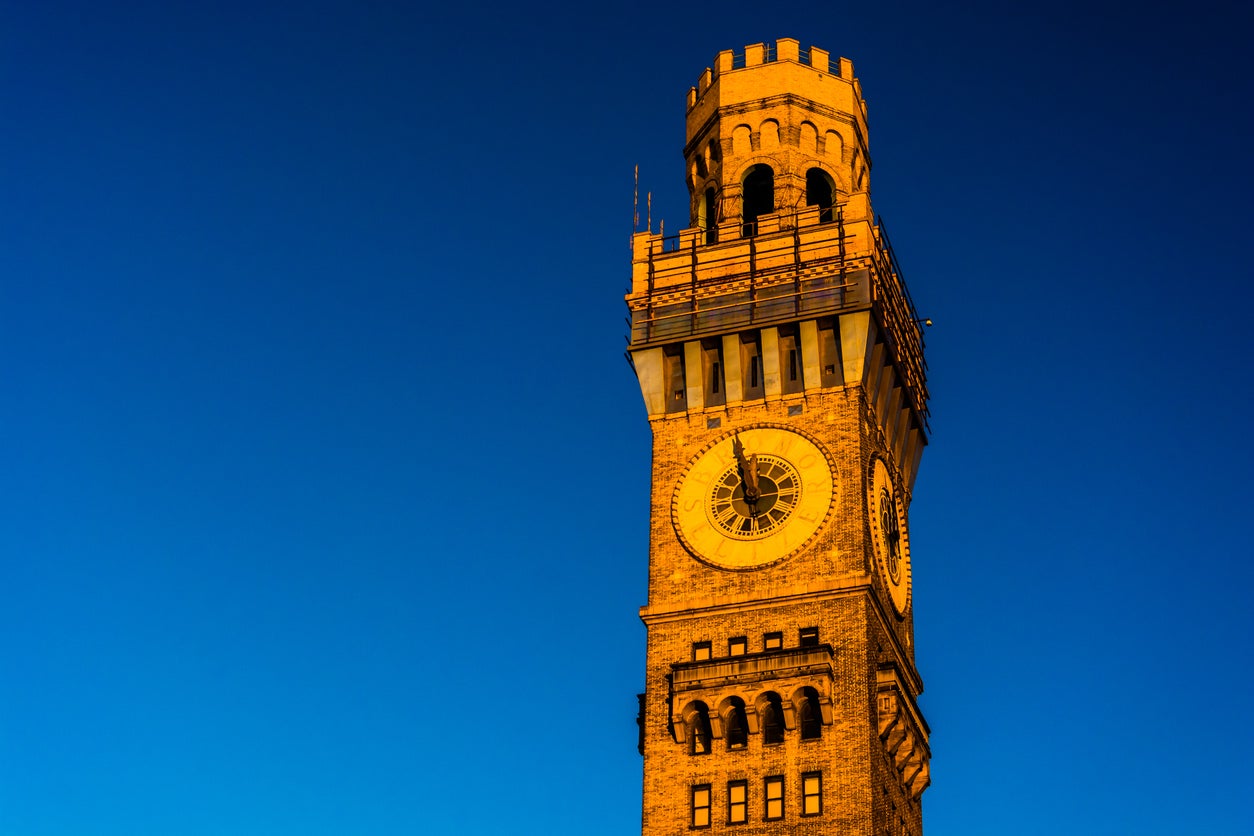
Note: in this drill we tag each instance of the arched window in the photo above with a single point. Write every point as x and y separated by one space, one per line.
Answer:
820 193
810 716
699 735
773 720
737 725
757 197
707 216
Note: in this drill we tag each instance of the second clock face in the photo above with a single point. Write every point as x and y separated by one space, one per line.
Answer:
753 498
888 533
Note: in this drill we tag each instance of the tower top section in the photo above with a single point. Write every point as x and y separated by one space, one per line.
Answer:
788 69
776 113
782 239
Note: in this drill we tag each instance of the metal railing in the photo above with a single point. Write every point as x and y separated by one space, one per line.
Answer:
694 287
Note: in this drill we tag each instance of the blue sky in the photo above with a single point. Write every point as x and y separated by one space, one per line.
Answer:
326 483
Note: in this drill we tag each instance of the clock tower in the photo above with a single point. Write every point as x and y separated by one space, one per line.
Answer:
781 363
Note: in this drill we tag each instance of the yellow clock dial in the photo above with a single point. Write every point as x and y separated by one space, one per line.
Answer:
753 498
888 533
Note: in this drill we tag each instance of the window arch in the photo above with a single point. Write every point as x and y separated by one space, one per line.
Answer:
699 733
810 716
757 197
707 215
809 141
768 135
820 192
737 724
772 711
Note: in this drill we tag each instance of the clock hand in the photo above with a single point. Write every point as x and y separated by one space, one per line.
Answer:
748 474
751 477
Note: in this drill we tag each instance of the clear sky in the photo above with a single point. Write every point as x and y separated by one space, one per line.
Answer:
325 482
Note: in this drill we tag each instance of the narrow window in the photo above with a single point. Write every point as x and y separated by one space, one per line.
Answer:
829 354
737 725
701 805
712 372
811 716
774 798
811 793
701 736
751 366
700 651
673 359
809 636
737 802
737 646
790 359
773 641
773 720
709 219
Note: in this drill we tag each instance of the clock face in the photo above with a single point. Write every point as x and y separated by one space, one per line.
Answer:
753 498
888 532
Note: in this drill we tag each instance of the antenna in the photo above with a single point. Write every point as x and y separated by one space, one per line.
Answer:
649 201
635 202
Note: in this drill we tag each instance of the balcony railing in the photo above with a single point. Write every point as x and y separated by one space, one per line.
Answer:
770 664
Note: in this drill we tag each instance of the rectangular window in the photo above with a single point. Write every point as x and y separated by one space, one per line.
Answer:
673 368
701 805
700 651
809 636
829 354
773 641
712 372
774 798
751 366
738 646
737 802
811 793
790 359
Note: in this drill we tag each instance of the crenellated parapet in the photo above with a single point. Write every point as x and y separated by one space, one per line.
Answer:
784 49
773 129
903 731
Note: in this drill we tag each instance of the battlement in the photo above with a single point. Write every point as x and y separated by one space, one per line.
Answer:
761 54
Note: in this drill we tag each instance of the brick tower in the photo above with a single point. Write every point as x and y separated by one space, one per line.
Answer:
781 363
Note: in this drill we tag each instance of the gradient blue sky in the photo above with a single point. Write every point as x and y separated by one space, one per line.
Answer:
325 483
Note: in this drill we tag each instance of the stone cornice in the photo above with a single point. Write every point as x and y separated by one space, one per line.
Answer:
853 584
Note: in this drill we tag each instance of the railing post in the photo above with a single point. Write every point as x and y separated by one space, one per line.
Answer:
648 328
694 284
753 281
796 266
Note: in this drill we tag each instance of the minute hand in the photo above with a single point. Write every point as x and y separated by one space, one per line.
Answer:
748 472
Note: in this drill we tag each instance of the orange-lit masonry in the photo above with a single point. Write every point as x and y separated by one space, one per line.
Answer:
781 364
